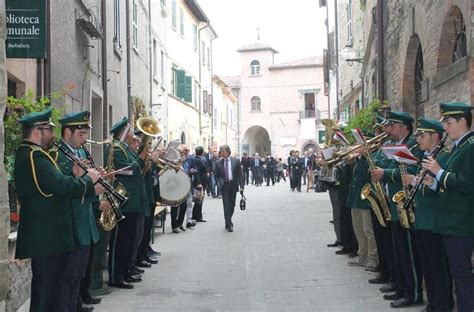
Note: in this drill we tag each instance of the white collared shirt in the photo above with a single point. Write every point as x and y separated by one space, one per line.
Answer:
229 168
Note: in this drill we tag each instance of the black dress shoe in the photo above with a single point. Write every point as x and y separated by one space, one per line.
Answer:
151 261
132 279
402 302
388 288
136 270
84 309
182 228
121 285
143 264
190 225
394 296
337 243
343 251
175 231
378 280
231 229
201 220
91 300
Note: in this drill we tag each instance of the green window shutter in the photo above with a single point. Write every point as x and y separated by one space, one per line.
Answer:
322 136
188 90
180 84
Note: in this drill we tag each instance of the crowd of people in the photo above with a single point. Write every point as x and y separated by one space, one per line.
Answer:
270 170
429 239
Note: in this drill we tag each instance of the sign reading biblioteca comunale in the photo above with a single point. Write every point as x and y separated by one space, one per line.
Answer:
26 28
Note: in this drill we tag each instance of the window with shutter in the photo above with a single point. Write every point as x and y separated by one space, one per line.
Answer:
180 84
188 89
204 101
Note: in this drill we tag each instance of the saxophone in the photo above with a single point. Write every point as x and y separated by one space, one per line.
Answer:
376 196
406 215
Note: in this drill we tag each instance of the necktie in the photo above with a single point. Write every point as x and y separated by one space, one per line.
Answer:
226 170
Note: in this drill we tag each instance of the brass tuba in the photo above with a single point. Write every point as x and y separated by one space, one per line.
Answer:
330 125
151 130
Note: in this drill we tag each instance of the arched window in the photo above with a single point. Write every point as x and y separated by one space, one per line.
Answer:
460 48
255 68
256 105
418 73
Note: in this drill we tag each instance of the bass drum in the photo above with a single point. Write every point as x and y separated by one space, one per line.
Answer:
174 186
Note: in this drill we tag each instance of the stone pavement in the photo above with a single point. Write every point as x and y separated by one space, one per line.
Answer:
275 260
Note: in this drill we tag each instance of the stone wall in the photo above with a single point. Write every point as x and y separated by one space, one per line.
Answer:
4 207
428 23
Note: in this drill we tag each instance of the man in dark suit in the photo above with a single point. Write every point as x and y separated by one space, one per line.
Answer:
229 178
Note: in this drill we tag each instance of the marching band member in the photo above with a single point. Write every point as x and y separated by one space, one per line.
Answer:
46 230
407 271
430 245
454 219
75 129
124 235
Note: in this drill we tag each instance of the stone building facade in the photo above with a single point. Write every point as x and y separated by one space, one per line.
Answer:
428 55
280 105
425 48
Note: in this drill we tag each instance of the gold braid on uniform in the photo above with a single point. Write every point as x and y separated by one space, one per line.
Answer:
33 169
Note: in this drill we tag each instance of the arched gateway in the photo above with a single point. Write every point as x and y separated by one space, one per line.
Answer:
256 140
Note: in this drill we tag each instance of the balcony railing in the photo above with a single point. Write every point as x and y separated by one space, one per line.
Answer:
307 114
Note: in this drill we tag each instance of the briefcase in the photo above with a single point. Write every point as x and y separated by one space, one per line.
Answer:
242 201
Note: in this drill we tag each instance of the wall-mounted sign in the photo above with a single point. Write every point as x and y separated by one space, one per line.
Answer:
26 28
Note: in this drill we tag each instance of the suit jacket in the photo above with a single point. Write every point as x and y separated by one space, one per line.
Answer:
237 176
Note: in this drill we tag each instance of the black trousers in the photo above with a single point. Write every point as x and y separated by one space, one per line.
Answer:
246 175
46 284
86 281
177 214
75 271
270 176
348 238
228 201
435 269
407 267
142 252
383 238
336 209
296 178
459 251
121 247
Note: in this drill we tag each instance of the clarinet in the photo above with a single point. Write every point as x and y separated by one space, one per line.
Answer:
118 214
424 172
109 188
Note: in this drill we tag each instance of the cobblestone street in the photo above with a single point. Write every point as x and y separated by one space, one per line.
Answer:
276 260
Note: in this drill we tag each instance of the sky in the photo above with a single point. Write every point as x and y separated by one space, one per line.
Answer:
294 28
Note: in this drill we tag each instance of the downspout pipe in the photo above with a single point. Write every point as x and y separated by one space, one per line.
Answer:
329 59
150 50
129 66
380 51
105 102
211 107
336 38
200 78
